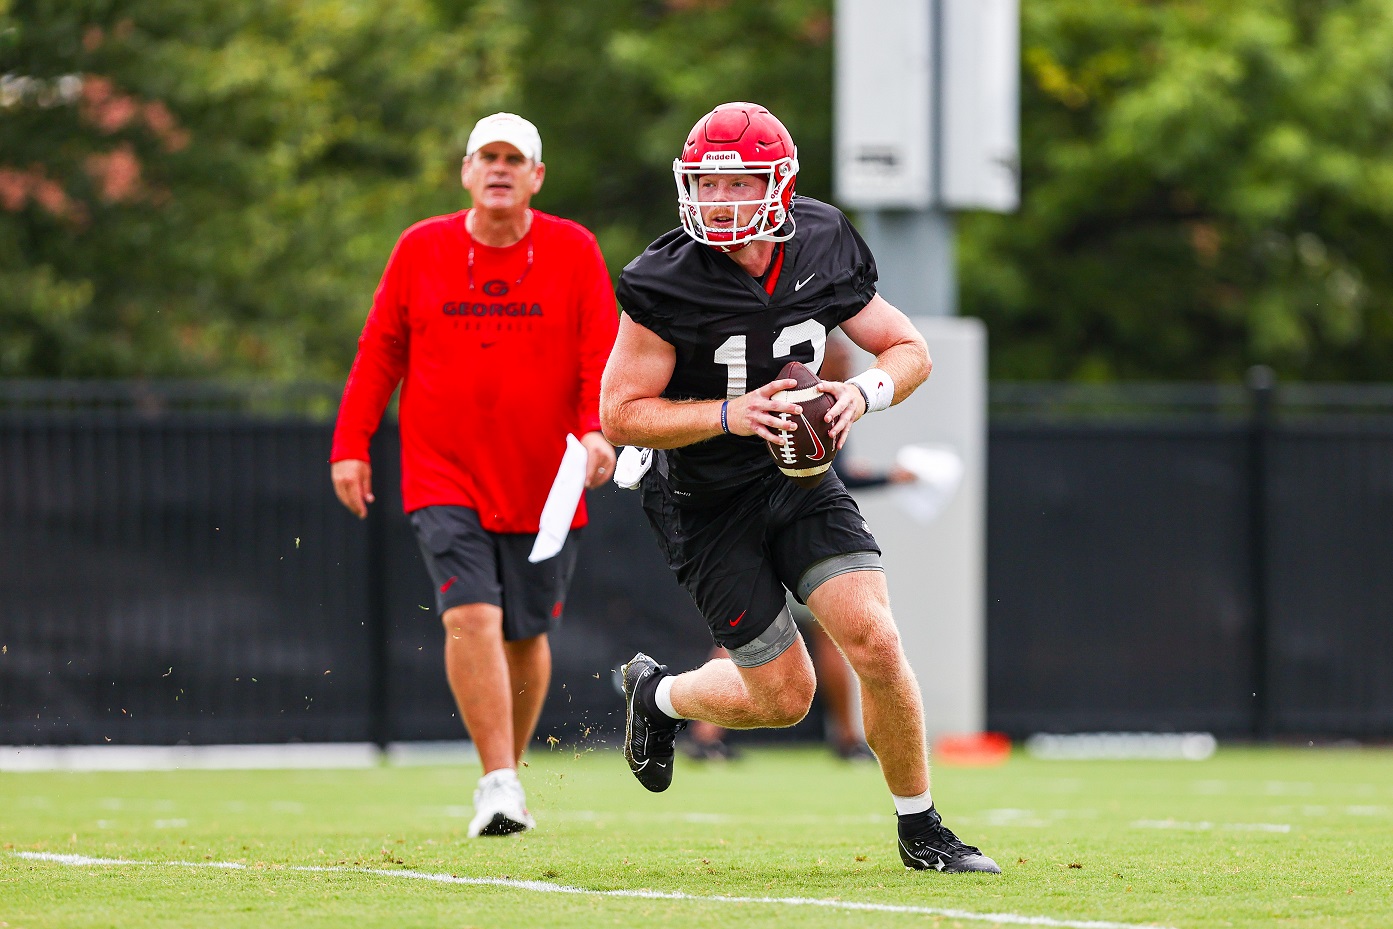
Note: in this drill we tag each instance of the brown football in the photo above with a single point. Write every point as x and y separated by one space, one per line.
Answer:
808 452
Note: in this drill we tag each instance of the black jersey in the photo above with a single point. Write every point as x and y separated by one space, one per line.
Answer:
732 337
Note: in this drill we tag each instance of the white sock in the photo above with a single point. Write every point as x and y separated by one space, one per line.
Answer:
663 698
500 776
906 805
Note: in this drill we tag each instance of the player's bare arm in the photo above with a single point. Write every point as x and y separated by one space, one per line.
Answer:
634 412
900 351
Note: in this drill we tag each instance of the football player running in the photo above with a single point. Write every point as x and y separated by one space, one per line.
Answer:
755 278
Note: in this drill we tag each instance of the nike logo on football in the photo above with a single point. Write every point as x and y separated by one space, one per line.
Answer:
736 621
799 286
818 450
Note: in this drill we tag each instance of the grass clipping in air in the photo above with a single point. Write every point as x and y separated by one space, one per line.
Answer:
780 837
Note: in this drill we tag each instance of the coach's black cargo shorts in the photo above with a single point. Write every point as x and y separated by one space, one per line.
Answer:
470 564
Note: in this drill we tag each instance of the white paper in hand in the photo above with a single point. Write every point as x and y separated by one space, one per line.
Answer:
938 470
561 504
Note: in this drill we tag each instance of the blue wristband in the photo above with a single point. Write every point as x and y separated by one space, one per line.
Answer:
724 427
864 396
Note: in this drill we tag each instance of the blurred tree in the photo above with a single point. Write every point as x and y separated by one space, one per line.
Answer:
1206 185
616 86
201 187
194 187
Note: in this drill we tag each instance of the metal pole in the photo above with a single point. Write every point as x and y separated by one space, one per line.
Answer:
1261 385
915 255
379 665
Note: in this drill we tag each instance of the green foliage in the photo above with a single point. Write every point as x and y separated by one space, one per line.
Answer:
616 86
292 141
1206 186
202 187
198 187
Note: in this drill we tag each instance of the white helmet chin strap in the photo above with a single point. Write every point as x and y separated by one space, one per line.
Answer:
771 236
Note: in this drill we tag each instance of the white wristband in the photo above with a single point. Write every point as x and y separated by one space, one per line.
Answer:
877 387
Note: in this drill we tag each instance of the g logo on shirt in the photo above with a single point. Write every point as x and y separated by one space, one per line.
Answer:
496 288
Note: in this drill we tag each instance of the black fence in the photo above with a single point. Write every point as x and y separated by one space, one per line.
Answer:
174 567
1191 558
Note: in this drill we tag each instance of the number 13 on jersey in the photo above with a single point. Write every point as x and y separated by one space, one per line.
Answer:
732 354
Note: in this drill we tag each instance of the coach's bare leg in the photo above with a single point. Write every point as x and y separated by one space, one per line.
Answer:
854 609
477 669
529 671
772 695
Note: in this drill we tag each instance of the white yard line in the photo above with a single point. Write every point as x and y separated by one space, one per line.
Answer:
1012 919
270 756
1205 826
84 758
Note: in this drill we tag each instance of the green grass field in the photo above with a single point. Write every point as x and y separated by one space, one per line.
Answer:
781 837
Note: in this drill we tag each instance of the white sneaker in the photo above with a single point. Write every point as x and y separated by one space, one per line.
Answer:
500 808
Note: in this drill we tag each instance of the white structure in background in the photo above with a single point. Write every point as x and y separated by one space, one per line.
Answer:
927 122
937 567
1124 746
927 104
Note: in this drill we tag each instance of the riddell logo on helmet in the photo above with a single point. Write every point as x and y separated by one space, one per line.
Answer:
720 158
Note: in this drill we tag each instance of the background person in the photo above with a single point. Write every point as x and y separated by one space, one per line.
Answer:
497 321
713 311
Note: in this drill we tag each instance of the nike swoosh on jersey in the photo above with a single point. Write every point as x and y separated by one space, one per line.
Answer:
736 621
799 285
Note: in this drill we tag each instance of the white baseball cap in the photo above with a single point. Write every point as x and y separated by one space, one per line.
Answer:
506 127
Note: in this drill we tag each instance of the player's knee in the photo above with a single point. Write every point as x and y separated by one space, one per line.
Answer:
791 703
783 699
874 651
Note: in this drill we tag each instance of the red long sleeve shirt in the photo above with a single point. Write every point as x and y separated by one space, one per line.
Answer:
499 363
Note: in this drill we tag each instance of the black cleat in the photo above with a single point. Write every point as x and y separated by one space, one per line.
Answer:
933 847
648 742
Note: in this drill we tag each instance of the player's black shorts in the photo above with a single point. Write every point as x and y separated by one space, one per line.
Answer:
470 564
735 552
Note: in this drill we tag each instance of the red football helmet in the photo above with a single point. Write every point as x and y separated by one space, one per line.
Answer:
738 138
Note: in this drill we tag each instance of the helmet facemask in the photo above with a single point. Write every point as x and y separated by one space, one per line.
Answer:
755 219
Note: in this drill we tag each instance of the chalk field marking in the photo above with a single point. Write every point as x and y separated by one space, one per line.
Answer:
1205 826
703 818
315 755
1013 919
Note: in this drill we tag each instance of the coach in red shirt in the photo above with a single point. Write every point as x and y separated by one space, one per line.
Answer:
497 322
